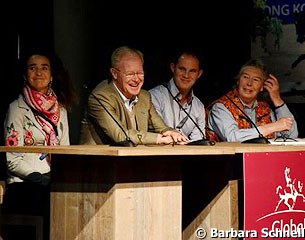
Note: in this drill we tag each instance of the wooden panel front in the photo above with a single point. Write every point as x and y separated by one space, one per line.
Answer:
116 198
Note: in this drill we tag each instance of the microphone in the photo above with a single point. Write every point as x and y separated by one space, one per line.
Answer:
202 141
260 138
127 142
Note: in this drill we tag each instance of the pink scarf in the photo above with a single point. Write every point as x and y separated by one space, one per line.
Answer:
48 106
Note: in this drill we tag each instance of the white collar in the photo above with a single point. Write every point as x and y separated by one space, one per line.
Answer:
127 102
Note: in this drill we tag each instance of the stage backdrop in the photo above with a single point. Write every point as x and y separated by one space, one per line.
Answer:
278 38
274 201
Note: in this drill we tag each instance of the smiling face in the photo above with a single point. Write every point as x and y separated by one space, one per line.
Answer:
250 84
186 72
38 73
128 75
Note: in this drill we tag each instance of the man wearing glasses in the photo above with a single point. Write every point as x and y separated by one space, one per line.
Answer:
119 110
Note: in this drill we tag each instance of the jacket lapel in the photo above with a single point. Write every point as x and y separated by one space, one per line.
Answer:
141 113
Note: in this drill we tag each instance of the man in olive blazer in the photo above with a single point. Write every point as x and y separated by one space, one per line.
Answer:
119 109
102 129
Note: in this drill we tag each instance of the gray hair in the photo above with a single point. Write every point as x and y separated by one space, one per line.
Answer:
257 63
123 51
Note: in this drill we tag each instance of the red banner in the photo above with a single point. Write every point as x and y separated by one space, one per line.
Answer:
274 196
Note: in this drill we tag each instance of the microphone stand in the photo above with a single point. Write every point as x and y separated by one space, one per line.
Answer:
260 138
127 142
202 141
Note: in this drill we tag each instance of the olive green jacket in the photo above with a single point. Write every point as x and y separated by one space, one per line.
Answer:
100 128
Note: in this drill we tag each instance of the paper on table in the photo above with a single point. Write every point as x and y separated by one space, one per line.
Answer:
298 141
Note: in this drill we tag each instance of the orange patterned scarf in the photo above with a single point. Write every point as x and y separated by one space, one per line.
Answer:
263 112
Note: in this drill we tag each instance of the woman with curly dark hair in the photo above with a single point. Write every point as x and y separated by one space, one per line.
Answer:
39 116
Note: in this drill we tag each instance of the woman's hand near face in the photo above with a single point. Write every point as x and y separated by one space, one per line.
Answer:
273 87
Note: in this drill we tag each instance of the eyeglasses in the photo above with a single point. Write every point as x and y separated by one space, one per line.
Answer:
132 75
283 138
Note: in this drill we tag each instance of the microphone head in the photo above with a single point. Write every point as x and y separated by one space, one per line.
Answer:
260 140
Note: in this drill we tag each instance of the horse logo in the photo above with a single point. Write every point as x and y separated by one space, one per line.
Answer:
289 195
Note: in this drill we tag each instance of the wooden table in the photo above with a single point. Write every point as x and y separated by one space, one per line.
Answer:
102 192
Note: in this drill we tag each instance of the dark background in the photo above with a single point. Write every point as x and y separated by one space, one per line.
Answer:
84 33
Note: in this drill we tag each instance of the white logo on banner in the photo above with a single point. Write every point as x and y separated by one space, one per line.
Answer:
288 195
